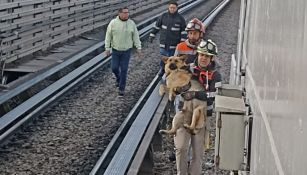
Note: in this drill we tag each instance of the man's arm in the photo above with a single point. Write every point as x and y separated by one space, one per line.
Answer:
203 95
136 38
108 37
200 95
217 78
155 29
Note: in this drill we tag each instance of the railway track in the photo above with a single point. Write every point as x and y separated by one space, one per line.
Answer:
14 118
111 150
130 153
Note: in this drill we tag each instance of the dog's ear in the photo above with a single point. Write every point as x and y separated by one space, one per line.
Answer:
164 59
183 57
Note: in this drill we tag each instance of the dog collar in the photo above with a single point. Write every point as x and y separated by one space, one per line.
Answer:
182 89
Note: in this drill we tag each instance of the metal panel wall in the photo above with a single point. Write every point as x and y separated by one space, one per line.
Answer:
32 25
275 47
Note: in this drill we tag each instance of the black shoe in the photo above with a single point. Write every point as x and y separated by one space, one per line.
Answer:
121 94
172 156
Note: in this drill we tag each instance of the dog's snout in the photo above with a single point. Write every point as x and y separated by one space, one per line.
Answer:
173 66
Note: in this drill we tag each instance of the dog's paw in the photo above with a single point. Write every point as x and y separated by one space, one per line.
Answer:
188 129
172 98
161 93
161 90
186 126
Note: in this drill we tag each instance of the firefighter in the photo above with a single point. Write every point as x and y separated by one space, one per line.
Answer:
205 70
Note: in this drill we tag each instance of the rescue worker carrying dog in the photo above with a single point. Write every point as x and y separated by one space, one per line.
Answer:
195 31
204 69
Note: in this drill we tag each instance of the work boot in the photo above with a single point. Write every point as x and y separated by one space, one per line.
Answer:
121 93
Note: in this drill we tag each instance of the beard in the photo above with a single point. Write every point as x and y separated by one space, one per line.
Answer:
194 41
123 19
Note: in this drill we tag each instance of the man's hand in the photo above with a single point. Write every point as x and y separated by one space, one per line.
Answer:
107 52
188 95
151 39
139 53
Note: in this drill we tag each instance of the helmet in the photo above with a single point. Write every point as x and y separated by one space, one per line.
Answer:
195 24
207 47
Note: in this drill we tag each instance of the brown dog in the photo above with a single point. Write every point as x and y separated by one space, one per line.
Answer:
173 63
198 107
176 75
192 115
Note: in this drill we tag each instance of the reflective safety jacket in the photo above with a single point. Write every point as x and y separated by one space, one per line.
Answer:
172 30
186 48
210 78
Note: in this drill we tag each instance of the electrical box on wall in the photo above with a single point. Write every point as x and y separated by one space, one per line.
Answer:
230 132
230 91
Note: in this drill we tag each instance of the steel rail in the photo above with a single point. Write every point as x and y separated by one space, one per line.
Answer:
144 30
209 18
25 86
126 160
112 147
15 118
11 121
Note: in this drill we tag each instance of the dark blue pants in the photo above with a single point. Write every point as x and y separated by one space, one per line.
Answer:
168 53
119 66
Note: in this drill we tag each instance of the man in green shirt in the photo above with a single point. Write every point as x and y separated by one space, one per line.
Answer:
121 36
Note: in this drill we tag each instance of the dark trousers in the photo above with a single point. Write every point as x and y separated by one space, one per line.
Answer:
119 66
168 53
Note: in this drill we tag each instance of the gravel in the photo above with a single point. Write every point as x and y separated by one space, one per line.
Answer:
70 137
223 31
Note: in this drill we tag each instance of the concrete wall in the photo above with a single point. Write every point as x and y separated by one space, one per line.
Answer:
275 49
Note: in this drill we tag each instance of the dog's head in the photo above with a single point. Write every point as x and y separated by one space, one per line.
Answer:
173 63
